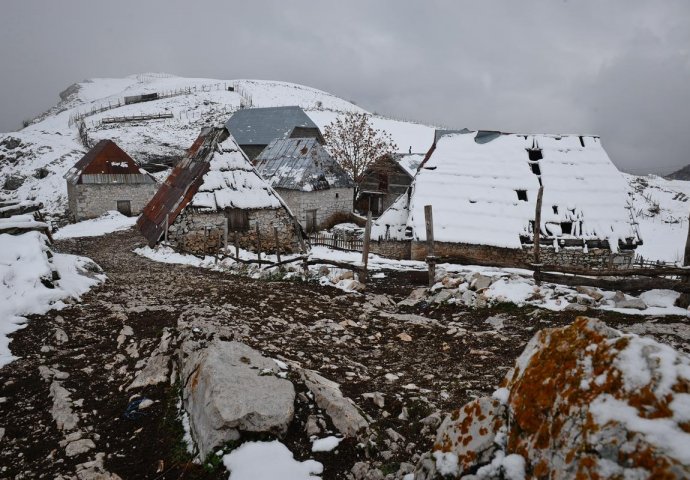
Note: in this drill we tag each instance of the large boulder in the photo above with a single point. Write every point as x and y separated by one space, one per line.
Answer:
230 388
582 401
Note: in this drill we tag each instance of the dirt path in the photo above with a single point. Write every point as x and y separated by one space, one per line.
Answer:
354 340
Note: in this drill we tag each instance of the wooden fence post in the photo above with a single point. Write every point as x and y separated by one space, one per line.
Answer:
537 234
226 227
365 248
166 228
258 242
277 241
237 245
683 300
430 247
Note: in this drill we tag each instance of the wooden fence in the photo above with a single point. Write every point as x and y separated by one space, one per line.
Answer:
337 241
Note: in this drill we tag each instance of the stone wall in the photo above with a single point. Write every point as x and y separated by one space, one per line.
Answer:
203 232
391 249
325 202
472 254
93 200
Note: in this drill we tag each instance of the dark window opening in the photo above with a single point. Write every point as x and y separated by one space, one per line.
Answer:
238 219
534 166
522 195
534 154
124 207
383 182
555 209
567 228
336 195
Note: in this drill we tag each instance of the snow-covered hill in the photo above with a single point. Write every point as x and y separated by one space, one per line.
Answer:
33 160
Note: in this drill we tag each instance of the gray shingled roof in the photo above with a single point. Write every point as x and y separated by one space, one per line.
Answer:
300 164
260 126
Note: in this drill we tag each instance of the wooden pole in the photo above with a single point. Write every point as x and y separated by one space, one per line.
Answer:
365 248
537 233
683 300
226 227
237 245
430 247
258 241
166 228
277 241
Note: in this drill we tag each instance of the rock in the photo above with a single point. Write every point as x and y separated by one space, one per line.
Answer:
376 398
450 282
394 436
466 438
618 297
481 282
342 411
61 411
584 401
347 275
584 300
417 295
157 366
433 420
575 307
442 296
632 302
231 388
13 182
79 446
312 426
591 292
404 337
60 336
146 403
468 298
324 271
497 321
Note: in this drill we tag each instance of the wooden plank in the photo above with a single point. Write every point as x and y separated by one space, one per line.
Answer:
277 241
258 242
626 284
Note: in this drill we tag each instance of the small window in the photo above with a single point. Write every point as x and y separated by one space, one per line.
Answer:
522 195
336 195
567 228
534 166
555 209
238 219
534 154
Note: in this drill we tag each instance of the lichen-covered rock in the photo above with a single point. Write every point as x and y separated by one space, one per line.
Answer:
467 437
583 401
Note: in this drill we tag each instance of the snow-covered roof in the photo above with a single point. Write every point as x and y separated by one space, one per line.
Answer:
260 126
214 175
410 162
483 189
300 164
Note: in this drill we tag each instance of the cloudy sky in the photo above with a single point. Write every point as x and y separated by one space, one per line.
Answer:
618 69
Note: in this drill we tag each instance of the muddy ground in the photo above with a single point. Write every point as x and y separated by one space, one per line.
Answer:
454 356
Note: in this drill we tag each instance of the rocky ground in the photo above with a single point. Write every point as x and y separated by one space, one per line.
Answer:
64 403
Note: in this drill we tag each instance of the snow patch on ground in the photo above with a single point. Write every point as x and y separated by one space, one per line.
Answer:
269 461
107 223
27 286
325 444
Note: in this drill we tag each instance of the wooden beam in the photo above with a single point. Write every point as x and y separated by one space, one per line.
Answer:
625 284
430 246
365 248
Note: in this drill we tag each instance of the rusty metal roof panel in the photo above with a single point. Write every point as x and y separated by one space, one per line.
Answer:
106 158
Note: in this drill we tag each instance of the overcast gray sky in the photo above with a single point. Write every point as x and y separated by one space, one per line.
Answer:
619 69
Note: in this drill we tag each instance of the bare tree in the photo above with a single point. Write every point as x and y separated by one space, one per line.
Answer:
356 145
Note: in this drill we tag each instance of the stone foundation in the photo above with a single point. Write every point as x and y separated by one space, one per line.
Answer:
391 249
202 233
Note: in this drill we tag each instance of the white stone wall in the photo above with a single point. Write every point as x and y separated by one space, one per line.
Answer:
93 200
325 202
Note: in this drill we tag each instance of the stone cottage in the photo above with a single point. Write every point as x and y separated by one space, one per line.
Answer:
312 183
106 178
254 128
214 195
388 178
483 188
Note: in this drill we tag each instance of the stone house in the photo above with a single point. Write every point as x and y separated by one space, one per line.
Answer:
483 189
254 128
384 182
312 183
106 178
213 196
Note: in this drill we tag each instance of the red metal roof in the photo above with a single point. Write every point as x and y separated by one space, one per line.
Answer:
179 188
106 157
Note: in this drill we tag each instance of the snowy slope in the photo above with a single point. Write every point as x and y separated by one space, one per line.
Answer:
33 160
661 208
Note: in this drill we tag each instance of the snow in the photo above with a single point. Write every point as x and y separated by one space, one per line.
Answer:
501 395
24 262
232 182
473 186
660 298
514 291
510 467
269 461
325 444
109 222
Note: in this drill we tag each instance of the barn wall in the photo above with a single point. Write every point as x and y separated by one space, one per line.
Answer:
202 232
93 200
323 201
391 249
